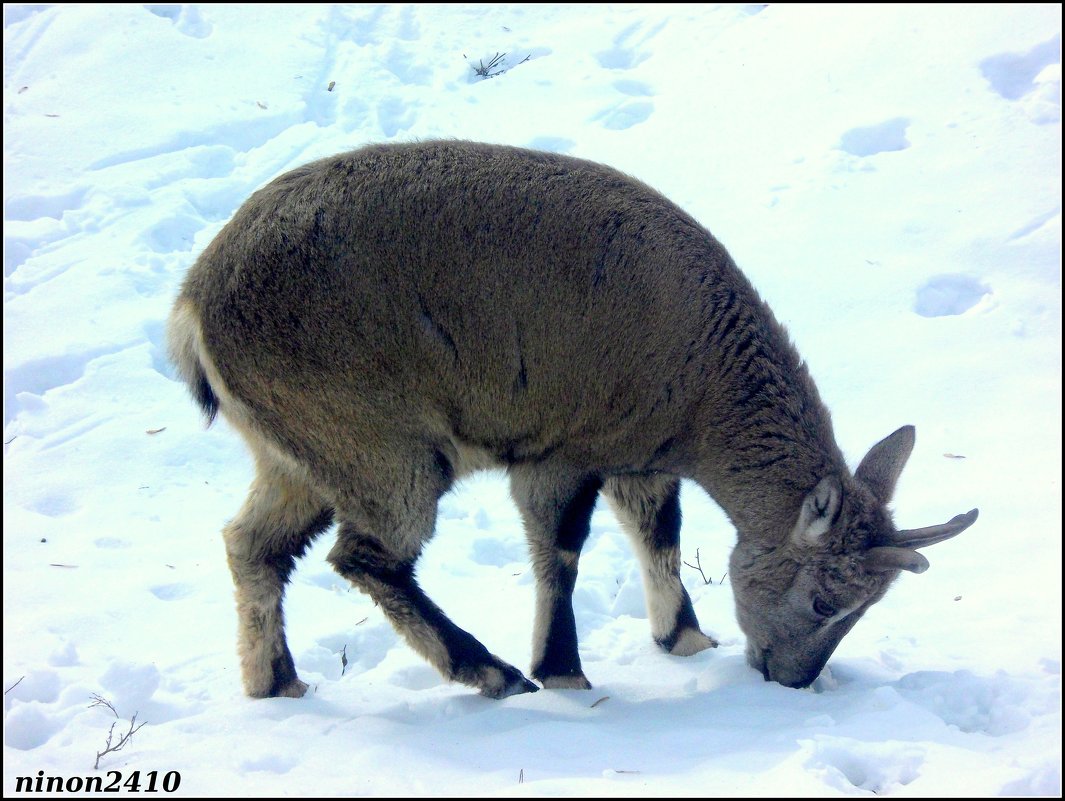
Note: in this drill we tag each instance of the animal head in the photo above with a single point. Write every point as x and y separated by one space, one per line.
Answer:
797 599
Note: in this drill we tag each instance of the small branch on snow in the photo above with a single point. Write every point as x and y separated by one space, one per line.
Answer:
483 70
123 741
99 700
699 566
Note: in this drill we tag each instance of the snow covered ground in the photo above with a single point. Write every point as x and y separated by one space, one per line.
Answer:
889 178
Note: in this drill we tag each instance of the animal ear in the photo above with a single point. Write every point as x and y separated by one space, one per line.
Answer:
881 467
819 511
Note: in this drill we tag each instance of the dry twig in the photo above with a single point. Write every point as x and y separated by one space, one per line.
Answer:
99 700
123 741
699 566
483 70
111 746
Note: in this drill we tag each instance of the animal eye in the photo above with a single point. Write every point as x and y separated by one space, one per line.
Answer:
821 608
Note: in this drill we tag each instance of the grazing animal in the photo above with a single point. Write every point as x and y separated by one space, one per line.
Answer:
380 323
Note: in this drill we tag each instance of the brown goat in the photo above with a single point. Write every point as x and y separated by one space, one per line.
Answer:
379 323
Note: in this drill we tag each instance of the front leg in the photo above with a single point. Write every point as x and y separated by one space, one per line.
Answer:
383 524
648 507
557 507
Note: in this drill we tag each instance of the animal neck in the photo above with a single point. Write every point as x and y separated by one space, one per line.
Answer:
767 435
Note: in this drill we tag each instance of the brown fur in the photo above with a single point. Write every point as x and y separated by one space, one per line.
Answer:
381 322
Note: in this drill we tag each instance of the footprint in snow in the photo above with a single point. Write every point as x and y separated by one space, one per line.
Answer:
1032 80
28 726
350 651
883 137
129 686
27 208
186 18
175 234
627 86
625 52
994 706
403 62
26 384
845 764
1013 75
394 115
625 115
172 592
946 295
41 686
554 144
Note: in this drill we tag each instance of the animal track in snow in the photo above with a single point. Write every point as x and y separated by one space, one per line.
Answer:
625 114
239 136
66 655
32 222
33 207
54 505
1013 75
1035 224
846 764
175 234
41 686
881 138
365 647
186 18
362 31
627 86
994 706
408 29
130 686
27 726
402 62
628 112
35 377
416 677
625 55
556 144
395 115
496 552
172 592
945 295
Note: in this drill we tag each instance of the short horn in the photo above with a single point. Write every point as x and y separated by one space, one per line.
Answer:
930 535
886 557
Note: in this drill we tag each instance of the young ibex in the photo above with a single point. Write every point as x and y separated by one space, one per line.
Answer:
380 323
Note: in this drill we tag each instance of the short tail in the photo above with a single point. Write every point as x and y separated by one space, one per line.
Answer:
185 344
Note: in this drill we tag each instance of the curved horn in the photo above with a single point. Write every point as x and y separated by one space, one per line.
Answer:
930 535
886 557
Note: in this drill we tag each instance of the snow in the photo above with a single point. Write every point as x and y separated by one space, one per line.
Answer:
889 178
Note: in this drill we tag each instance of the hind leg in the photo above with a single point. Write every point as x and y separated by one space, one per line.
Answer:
556 506
648 507
280 517
384 522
